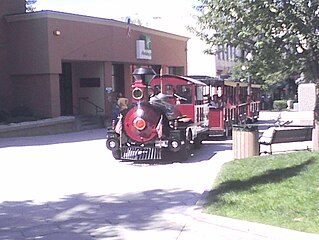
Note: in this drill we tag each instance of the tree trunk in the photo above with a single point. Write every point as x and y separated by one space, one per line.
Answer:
315 136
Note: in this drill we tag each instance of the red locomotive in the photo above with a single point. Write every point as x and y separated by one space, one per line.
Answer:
168 115
171 114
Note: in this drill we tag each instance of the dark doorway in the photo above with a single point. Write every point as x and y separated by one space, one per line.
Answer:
157 68
118 78
66 96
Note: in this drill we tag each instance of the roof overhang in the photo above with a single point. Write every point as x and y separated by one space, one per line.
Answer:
88 19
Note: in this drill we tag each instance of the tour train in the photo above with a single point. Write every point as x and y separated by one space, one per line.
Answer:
171 114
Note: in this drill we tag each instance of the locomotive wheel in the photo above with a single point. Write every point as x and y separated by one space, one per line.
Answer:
228 132
198 141
249 121
170 156
166 154
183 154
180 156
117 154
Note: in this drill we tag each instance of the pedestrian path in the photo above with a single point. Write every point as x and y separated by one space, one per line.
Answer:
206 227
124 216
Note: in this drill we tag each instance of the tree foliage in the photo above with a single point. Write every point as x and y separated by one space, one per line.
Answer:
29 5
282 35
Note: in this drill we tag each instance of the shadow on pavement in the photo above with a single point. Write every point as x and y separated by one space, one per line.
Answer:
89 135
86 217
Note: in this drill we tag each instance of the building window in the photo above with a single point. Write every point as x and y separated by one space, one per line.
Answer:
90 82
176 70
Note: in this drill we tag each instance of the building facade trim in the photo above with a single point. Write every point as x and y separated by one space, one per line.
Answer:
88 19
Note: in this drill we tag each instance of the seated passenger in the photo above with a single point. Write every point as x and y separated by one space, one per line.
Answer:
229 102
215 103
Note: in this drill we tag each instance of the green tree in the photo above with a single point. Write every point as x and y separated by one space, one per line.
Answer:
29 5
282 35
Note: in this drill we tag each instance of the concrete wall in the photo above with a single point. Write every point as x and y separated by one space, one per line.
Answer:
40 127
38 92
307 97
6 7
29 47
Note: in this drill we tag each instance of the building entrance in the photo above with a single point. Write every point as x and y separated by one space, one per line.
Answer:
118 78
66 97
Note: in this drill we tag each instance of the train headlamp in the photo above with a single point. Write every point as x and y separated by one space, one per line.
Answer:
139 123
137 93
139 112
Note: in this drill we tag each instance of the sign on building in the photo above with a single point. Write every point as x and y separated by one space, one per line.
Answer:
144 48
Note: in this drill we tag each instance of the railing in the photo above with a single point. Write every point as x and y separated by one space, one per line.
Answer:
86 100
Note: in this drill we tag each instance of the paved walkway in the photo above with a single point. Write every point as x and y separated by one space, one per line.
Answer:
107 216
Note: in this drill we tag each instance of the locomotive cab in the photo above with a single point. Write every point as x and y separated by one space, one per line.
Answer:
190 98
188 95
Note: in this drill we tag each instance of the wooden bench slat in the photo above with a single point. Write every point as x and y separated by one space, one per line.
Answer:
292 135
285 135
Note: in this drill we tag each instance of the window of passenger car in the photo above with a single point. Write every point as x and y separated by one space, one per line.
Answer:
185 92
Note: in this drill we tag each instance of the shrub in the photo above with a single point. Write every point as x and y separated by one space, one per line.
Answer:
280 104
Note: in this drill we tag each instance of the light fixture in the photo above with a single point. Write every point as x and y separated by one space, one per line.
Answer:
144 74
57 32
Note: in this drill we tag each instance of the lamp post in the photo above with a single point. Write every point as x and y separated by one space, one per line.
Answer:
244 69
249 57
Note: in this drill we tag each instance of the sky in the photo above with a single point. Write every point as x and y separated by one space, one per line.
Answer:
166 15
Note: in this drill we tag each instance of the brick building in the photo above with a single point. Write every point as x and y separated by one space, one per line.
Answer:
59 64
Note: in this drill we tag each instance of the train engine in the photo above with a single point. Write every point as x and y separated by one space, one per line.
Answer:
152 127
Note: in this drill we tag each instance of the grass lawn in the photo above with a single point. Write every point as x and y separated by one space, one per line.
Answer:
280 190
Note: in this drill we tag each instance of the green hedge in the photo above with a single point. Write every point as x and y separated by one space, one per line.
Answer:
280 104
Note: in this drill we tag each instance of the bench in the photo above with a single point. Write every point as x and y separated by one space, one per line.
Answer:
276 135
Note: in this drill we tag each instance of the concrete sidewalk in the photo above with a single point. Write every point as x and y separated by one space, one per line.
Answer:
88 211
82 217
204 226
